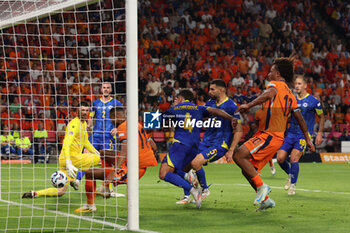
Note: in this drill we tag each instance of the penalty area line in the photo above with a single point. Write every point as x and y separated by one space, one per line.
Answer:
116 226
305 190
273 187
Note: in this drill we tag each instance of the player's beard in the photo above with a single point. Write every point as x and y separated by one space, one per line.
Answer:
84 117
213 97
106 95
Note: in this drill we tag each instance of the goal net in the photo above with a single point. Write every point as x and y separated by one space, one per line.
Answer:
55 54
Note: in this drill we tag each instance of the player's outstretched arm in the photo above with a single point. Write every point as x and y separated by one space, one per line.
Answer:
320 129
297 115
236 138
265 96
220 113
153 145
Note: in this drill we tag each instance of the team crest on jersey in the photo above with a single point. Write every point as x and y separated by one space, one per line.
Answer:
305 105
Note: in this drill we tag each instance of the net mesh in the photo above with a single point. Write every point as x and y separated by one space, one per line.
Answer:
53 55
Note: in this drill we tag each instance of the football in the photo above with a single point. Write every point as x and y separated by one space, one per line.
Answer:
58 179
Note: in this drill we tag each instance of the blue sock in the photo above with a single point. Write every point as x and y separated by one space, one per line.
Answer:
294 168
201 178
175 179
181 173
285 166
80 175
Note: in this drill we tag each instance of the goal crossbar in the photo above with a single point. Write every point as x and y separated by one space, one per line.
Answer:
7 20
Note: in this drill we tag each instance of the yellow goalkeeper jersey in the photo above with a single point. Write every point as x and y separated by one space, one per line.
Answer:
75 139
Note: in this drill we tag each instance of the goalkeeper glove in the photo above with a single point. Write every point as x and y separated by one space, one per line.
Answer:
71 169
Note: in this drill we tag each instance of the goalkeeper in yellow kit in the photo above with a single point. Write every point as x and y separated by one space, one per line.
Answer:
71 159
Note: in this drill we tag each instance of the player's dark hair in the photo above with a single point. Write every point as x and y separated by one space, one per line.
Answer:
218 83
285 66
116 109
187 95
84 104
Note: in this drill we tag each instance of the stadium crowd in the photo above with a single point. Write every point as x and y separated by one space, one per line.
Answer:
49 66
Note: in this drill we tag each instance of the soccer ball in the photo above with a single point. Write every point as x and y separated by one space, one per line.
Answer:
58 179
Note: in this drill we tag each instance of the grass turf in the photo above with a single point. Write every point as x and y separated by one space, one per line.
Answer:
321 207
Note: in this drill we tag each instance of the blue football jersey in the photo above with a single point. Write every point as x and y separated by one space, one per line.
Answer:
100 112
221 136
309 106
184 113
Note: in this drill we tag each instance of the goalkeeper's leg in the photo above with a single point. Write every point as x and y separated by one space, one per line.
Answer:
83 163
49 192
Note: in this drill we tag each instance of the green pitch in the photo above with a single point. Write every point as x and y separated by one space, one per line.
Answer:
321 206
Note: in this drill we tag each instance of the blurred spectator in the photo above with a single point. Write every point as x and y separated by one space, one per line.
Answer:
327 123
15 131
333 144
23 146
347 116
168 90
7 141
15 105
164 104
153 88
339 116
345 135
40 136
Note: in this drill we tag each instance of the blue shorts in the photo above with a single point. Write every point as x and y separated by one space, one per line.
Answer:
293 141
212 153
180 155
102 142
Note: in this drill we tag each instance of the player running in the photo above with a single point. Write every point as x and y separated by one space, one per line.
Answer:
71 158
216 141
278 103
294 143
101 137
186 140
258 119
118 174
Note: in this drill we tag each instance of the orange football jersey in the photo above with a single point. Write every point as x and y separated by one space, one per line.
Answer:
276 111
146 155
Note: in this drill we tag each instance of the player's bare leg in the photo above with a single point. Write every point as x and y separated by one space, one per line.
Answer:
294 162
90 186
242 157
281 159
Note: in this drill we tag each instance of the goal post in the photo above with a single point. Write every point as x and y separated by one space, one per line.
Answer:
41 47
132 113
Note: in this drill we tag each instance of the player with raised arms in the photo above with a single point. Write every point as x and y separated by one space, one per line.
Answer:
217 142
71 158
294 143
278 103
118 174
101 137
186 140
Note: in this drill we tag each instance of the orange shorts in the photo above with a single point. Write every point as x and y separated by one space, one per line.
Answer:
121 176
263 146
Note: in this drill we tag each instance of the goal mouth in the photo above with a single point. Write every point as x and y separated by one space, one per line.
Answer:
55 58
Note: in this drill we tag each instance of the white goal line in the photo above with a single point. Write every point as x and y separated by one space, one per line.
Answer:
116 226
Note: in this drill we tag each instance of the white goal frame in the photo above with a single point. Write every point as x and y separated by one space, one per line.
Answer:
131 93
